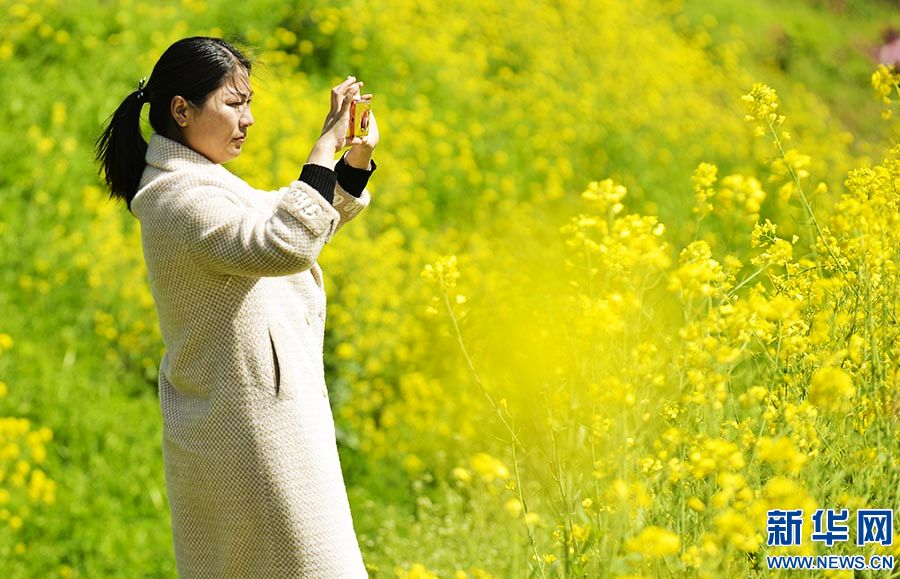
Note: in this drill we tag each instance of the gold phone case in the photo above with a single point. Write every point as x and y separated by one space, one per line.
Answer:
359 118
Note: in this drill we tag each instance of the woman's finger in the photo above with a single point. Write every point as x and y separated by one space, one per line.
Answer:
339 100
347 80
338 92
345 86
348 98
352 92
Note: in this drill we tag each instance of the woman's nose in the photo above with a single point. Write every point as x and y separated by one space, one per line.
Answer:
247 118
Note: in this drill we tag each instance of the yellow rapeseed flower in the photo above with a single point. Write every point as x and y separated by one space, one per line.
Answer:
699 275
654 542
831 389
737 529
417 571
782 453
443 272
462 475
704 179
413 464
740 196
489 467
581 532
692 556
605 196
762 102
884 81
513 506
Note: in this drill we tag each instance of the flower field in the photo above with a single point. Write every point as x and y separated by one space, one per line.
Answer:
627 285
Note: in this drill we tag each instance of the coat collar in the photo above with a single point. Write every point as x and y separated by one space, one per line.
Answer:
168 155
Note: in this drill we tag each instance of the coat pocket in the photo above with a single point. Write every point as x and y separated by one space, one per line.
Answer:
280 377
275 364
316 272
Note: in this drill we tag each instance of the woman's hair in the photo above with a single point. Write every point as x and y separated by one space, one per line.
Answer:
192 68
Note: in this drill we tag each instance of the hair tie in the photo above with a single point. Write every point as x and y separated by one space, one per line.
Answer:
140 94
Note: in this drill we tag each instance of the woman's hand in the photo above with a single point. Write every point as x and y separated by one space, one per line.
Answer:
361 147
338 120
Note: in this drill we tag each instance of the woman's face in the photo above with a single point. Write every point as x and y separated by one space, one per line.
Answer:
218 128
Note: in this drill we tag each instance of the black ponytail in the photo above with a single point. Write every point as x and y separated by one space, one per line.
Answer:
121 149
192 68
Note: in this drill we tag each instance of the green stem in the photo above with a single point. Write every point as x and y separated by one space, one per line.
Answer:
563 494
734 290
509 428
806 204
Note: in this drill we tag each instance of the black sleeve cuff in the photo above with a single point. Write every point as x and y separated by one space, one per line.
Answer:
322 179
351 179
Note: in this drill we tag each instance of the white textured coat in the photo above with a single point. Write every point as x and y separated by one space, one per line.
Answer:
252 469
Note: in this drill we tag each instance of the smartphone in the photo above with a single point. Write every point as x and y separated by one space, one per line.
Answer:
359 118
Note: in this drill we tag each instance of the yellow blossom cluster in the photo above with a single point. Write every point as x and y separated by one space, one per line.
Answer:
886 82
24 485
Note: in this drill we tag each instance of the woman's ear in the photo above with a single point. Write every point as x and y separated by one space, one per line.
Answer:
181 110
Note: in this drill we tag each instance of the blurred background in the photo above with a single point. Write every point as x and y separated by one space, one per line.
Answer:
520 269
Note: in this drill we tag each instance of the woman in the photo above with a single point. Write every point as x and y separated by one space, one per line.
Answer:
252 470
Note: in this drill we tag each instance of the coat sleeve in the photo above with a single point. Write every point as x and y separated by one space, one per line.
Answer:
224 235
347 205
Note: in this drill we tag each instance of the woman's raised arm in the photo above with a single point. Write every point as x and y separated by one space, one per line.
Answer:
224 235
